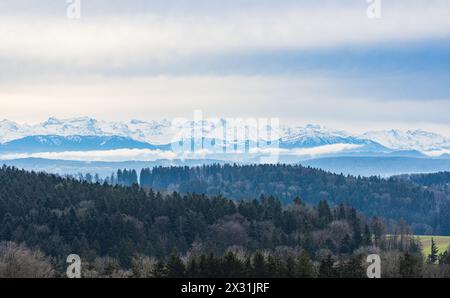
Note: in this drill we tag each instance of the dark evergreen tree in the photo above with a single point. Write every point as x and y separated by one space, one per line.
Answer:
433 256
275 266
346 245
160 270
305 268
175 267
352 268
409 266
291 267
444 258
259 265
231 266
325 216
327 269
367 236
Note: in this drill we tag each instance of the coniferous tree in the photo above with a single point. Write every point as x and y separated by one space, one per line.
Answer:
367 236
433 256
325 215
275 266
409 266
175 267
326 268
248 268
346 245
444 258
290 267
160 270
192 268
305 268
298 201
259 265
231 266
352 268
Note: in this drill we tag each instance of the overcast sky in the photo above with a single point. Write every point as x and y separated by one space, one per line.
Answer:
322 62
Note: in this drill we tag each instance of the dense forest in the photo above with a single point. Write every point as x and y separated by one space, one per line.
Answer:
435 179
135 232
426 209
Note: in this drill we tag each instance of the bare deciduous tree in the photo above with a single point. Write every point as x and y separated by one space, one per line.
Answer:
18 261
143 266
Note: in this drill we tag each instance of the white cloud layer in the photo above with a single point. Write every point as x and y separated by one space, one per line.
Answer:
118 41
152 155
437 153
326 149
101 155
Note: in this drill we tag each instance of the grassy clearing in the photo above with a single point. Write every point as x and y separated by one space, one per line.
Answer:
442 243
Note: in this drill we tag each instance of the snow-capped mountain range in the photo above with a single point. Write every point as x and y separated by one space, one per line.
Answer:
151 132
159 134
419 140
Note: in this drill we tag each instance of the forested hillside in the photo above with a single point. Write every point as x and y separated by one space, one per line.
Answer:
435 179
131 232
394 198
61 216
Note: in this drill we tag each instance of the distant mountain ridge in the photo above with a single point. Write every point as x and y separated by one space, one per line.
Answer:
419 140
378 166
92 133
314 135
148 132
53 143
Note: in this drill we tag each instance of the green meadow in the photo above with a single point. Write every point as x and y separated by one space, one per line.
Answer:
442 242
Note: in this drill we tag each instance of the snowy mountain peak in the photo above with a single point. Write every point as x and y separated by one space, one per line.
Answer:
419 140
136 122
9 130
162 132
51 121
311 131
313 127
8 124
